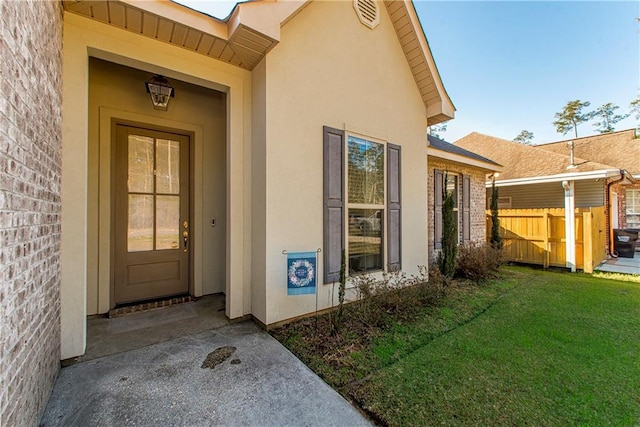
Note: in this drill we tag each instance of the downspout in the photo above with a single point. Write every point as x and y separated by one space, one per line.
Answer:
623 174
570 224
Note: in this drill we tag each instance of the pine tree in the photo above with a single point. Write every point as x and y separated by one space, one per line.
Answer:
571 116
635 107
524 137
608 117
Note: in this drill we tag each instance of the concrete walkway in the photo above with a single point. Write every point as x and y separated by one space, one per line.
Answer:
621 265
260 384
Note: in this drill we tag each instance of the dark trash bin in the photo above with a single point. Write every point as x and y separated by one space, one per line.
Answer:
637 231
624 242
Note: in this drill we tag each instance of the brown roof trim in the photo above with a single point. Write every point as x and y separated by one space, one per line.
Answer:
252 29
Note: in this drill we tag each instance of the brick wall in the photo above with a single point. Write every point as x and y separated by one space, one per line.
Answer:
30 161
621 190
478 200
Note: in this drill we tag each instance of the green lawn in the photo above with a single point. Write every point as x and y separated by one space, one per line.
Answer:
533 347
558 349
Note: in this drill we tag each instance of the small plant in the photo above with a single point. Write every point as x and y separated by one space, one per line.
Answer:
478 261
369 310
430 285
336 318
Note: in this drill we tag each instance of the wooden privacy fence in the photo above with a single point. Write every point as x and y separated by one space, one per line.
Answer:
537 236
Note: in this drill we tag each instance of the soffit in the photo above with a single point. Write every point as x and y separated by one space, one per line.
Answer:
241 46
418 54
252 30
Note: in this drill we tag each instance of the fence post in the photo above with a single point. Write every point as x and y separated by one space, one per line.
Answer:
587 242
545 233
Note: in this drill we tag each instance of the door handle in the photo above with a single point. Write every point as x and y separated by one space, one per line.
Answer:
185 239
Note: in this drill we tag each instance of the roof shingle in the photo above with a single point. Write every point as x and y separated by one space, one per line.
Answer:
620 149
453 149
524 161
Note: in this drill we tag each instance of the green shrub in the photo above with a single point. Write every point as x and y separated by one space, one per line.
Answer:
395 296
478 261
447 256
496 239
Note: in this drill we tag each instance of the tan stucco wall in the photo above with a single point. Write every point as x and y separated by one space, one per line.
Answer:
329 69
115 90
477 208
84 38
259 193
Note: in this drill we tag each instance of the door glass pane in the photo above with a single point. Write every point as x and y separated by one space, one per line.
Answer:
167 222
167 166
140 229
140 176
365 171
365 240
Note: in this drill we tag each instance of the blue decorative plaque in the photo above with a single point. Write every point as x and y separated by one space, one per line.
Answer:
301 273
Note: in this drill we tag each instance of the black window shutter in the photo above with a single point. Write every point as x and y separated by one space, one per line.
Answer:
466 208
333 212
394 217
437 193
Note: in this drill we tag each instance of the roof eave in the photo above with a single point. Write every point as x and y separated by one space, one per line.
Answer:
463 160
438 104
572 176
242 39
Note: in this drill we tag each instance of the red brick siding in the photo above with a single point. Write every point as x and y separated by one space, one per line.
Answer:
478 201
621 190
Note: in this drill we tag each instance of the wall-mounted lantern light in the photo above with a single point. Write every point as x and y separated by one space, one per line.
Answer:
160 91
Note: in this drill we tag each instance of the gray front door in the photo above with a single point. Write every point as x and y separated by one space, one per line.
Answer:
151 214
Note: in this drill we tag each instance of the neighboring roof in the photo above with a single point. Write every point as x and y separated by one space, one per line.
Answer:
619 149
522 162
253 29
447 151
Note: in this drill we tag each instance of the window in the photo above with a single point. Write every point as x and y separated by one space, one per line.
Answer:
365 204
633 208
362 204
451 186
450 182
504 202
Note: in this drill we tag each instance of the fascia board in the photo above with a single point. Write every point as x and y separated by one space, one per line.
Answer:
287 10
575 176
261 17
182 15
457 158
445 106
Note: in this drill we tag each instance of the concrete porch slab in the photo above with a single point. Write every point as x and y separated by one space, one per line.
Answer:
621 265
109 336
260 384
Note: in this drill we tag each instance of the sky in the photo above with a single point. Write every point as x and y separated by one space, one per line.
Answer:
511 65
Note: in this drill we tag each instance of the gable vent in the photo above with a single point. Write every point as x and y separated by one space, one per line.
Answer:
368 12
